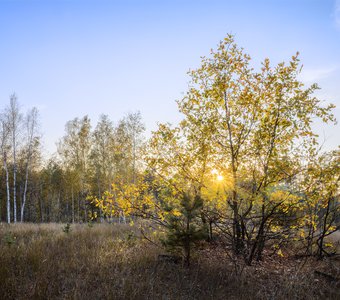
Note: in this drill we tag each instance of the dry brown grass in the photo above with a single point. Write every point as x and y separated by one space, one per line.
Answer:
112 262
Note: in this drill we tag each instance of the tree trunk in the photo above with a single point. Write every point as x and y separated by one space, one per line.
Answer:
24 195
255 246
41 208
187 244
8 190
72 205
59 207
78 212
14 190
210 230
320 241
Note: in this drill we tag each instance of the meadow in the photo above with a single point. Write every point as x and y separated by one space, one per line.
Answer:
113 261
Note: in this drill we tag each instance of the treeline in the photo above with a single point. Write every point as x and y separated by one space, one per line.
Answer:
243 167
39 189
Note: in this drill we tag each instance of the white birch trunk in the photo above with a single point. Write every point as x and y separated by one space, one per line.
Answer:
7 189
24 195
14 180
4 136
14 121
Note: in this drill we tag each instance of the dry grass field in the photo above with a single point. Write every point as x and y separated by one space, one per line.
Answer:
113 262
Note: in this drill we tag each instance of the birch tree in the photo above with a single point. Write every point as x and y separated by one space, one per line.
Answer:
129 137
103 154
15 119
74 149
32 141
5 134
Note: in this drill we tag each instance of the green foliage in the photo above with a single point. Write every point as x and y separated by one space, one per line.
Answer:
184 227
90 224
131 238
67 228
9 238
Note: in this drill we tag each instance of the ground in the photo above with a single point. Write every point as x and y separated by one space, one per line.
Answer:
112 261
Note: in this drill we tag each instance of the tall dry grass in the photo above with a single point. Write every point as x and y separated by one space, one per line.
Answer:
113 262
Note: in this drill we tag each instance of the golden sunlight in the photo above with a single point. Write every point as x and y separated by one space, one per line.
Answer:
219 177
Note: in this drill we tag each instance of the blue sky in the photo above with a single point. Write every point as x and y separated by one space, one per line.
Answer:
70 57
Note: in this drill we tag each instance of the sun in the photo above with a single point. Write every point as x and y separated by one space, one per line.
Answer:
219 177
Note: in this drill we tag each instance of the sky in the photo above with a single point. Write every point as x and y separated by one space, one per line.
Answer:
71 58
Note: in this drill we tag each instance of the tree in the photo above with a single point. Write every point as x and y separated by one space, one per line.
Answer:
223 102
129 137
5 132
74 150
32 141
184 225
258 122
15 118
103 154
320 190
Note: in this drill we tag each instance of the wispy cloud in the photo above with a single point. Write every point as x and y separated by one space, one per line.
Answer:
336 14
314 75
